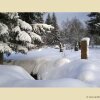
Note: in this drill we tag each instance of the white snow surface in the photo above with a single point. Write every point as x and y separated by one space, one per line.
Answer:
65 69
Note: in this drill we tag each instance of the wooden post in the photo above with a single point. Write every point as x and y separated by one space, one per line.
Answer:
84 50
1 58
61 47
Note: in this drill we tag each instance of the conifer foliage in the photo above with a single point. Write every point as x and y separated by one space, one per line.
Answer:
18 35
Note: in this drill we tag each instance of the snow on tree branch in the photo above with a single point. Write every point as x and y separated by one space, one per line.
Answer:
22 49
16 29
5 48
13 15
23 25
3 29
98 24
23 36
35 36
42 28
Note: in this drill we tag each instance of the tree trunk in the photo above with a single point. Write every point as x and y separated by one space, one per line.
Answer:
1 58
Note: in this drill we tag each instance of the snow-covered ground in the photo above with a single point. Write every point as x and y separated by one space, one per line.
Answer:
56 69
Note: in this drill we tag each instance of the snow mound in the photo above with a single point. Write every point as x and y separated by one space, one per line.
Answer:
42 66
87 71
46 83
12 73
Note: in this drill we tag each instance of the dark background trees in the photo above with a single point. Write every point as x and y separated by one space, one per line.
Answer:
94 27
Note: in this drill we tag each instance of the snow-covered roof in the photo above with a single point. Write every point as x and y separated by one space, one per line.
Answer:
23 36
24 25
5 48
3 29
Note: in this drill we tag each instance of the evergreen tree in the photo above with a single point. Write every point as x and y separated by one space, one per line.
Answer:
53 37
94 27
48 20
94 19
32 17
55 32
19 36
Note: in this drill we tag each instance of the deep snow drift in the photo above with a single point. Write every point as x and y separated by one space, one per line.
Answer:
58 68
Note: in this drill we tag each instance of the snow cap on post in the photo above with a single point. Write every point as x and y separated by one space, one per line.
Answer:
87 39
84 48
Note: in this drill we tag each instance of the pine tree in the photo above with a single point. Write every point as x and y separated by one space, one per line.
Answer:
18 35
48 20
94 27
53 37
94 19
32 17
55 32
